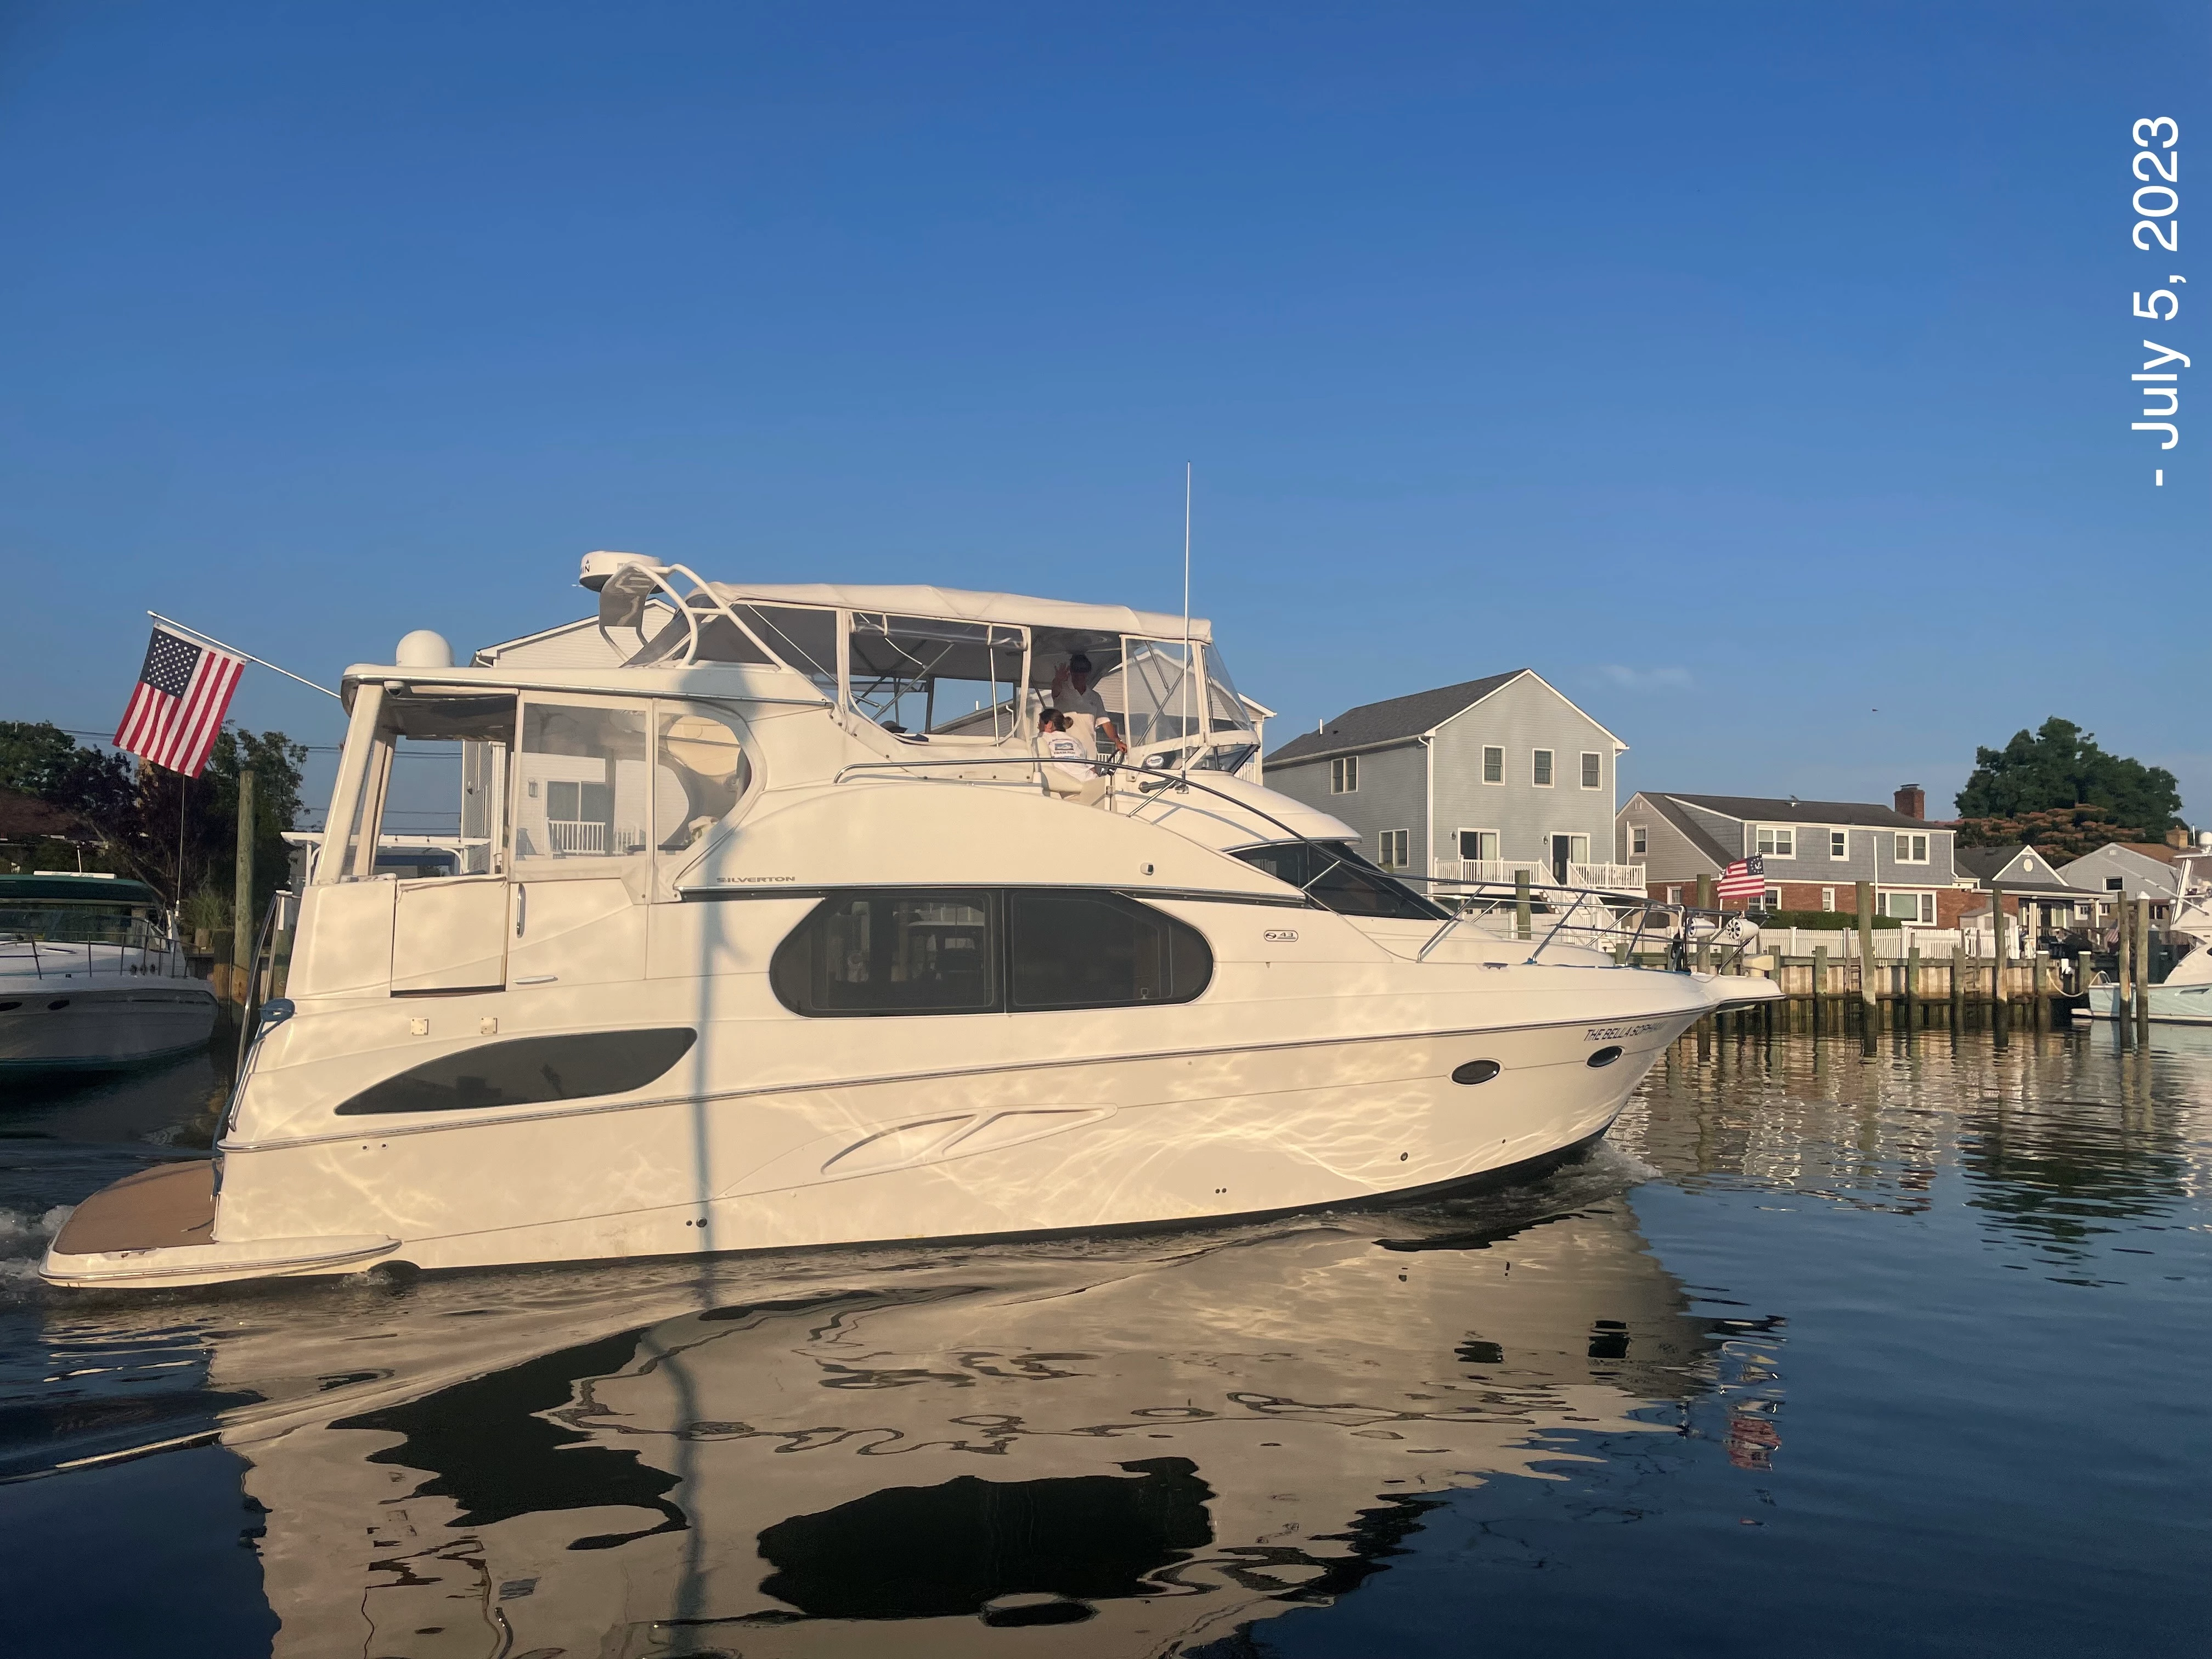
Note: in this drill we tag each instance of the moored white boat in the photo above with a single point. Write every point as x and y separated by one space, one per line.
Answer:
785 942
2185 996
91 979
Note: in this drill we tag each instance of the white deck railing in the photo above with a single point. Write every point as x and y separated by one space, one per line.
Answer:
1610 878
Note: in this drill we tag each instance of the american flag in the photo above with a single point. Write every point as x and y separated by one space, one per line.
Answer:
178 705
1744 880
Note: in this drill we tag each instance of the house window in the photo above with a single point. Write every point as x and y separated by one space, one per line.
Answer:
1839 843
1912 849
1773 899
1640 841
1776 841
1478 844
1344 775
1918 907
1592 778
1392 848
1493 766
1541 771
1828 898
1673 895
2115 884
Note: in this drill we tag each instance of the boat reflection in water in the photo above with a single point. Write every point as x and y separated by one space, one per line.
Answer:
1148 1442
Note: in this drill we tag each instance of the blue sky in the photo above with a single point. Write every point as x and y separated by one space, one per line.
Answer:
1758 375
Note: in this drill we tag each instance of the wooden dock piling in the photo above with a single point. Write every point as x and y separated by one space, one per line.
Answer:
2000 1009
2142 970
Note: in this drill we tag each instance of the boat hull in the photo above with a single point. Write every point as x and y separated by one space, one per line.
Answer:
64 1027
2170 1004
1078 1145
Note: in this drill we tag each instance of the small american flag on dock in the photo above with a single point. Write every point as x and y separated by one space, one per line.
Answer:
178 705
1744 880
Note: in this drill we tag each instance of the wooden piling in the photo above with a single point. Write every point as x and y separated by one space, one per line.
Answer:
2142 968
2000 1009
241 902
1819 984
1522 921
2122 973
1911 987
1958 987
2042 988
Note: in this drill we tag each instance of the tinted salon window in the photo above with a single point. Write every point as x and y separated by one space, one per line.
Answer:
920 951
528 1071
1340 879
968 951
1100 950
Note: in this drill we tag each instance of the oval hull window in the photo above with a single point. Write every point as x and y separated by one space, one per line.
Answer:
1604 1056
1475 1070
529 1071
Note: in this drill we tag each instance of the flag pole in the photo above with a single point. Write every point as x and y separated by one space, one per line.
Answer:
211 639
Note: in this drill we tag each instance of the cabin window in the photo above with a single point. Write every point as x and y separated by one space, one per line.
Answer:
701 771
920 677
1541 770
583 782
974 950
1593 772
529 1071
1344 775
1073 950
1493 765
1335 876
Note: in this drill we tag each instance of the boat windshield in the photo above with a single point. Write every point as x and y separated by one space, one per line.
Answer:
1174 709
72 911
1334 876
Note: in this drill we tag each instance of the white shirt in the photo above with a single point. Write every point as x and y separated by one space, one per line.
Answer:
1066 753
1084 709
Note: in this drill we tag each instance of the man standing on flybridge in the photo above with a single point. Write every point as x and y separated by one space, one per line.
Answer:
1073 695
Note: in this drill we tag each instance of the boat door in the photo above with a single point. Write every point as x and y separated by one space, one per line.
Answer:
449 933
581 809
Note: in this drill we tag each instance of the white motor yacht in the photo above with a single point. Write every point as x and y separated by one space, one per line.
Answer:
2184 997
786 940
92 978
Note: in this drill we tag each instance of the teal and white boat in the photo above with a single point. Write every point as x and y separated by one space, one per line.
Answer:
93 977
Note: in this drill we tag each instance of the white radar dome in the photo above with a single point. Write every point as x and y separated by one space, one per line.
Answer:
424 649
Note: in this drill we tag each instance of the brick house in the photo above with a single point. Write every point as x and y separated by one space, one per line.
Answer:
1814 852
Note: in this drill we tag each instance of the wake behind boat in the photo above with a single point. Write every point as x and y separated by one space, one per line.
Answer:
796 928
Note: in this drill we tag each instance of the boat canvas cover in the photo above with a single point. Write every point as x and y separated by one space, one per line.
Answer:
963 605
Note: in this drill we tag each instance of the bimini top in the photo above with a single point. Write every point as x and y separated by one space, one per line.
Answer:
963 605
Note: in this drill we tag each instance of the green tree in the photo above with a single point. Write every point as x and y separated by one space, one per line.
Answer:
2061 767
146 812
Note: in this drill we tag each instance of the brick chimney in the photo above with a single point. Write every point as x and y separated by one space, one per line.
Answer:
1913 800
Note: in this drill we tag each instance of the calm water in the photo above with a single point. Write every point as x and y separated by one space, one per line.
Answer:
1821 1354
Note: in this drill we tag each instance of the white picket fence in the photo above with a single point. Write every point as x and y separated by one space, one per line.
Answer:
1890 944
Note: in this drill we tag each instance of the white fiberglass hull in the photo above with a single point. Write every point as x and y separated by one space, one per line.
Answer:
2170 1004
72 1023
720 1158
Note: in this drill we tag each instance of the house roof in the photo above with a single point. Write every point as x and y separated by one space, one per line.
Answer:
1392 720
1985 863
1696 835
1755 808
25 818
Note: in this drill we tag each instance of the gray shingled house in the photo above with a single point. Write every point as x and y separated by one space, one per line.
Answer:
1473 782
1816 852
